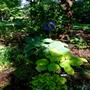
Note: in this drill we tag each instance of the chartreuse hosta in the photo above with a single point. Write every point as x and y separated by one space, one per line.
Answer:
57 56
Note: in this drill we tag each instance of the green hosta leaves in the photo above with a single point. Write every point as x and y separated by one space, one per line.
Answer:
68 60
58 47
66 66
53 67
57 54
55 47
42 62
53 57
41 65
76 61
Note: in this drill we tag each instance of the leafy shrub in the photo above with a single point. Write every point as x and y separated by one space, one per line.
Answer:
48 82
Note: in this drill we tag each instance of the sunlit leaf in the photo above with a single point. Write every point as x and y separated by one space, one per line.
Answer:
76 61
68 69
42 62
41 65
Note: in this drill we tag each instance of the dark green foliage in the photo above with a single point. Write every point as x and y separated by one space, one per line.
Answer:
11 3
81 11
30 19
48 82
53 67
42 12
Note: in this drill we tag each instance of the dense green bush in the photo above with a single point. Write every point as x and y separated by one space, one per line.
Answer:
48 82
10 3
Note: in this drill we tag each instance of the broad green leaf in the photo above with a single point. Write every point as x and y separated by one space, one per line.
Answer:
41 65
55 47
53 67
65 57
68 69
42 62
76 61
58 48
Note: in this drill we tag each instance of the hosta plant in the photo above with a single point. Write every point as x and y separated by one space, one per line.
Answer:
55 55
59 56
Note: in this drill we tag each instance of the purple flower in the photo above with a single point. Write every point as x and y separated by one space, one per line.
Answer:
49 26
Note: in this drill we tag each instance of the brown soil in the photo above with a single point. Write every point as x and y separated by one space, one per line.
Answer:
5 77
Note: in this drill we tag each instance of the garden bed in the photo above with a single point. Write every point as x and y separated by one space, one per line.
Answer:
84 53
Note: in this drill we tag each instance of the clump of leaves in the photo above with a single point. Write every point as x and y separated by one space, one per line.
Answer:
48 82
59 56
54 56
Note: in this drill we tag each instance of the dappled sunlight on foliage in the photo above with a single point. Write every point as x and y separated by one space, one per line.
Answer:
45 44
